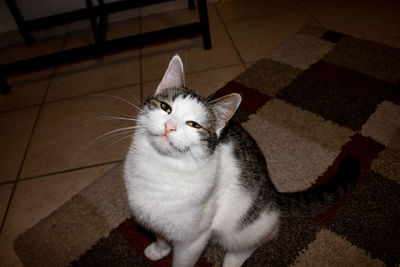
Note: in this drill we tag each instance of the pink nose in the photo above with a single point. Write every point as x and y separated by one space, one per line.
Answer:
169 126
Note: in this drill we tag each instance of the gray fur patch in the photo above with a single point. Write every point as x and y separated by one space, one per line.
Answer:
254 176
207 133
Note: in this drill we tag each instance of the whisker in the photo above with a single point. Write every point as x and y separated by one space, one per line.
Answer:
104 118
113 131
124 100
125 115
118 141
110 136
209 97
133 95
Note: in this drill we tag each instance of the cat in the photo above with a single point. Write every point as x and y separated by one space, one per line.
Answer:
193 175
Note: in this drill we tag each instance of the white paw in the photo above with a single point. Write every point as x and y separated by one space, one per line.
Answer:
154 253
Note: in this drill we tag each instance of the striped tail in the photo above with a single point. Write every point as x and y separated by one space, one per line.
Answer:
318 199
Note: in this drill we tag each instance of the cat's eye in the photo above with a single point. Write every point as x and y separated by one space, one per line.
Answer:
164 106
193 124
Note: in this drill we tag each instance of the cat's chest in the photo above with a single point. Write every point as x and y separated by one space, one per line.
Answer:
160 194
166 184
154 180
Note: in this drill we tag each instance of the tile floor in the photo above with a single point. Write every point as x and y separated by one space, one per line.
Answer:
49 122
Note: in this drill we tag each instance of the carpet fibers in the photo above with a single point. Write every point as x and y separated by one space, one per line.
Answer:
317 98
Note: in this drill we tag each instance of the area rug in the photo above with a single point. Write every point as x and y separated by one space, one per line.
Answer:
317 98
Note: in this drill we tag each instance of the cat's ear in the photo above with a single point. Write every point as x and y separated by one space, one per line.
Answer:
224 108
173 77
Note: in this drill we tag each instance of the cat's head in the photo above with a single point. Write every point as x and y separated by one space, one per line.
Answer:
177 122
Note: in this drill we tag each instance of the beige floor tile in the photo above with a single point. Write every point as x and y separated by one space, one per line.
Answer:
256 37
5 193
50 32
123 15
391 41
240 9
163 7
177 17
249 64
367 19
78 38
22 51
77 25
15 131
37 198
27 89
115 30
123 28
149 89
208 82
90 76
94 75
66 132
155 58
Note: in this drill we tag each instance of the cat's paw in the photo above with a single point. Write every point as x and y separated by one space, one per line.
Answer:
154 252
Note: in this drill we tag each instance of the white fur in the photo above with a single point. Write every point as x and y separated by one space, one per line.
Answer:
184 200
185 136
188 198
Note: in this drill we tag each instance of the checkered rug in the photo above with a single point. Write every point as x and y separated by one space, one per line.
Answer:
317 98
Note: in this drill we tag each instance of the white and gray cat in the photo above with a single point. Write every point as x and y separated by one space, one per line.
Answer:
192 175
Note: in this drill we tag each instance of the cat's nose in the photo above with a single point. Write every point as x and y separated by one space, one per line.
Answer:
169 126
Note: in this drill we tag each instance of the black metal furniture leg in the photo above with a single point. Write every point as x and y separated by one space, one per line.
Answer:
103 22
101 45
4 87
93 22
25 32
205 27
191 4
98 29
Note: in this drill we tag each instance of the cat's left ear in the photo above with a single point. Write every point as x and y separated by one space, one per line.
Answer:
224 108
174 76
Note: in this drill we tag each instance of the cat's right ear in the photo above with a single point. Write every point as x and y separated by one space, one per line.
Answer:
224 108
174 76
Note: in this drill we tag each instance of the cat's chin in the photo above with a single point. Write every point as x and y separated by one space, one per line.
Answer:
164 146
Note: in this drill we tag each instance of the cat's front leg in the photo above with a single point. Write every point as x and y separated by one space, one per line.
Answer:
187 253
237 258
157 250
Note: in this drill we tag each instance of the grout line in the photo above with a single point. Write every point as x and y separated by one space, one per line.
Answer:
141 82
71 97
18 179
20 108
260 16
309 13
8 206
15 182
230 37
7 182
92 93
240 18
70 170
28 145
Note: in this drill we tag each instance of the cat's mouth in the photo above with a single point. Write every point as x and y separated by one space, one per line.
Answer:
165 145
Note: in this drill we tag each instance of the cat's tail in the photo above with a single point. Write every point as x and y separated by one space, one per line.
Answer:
318 199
